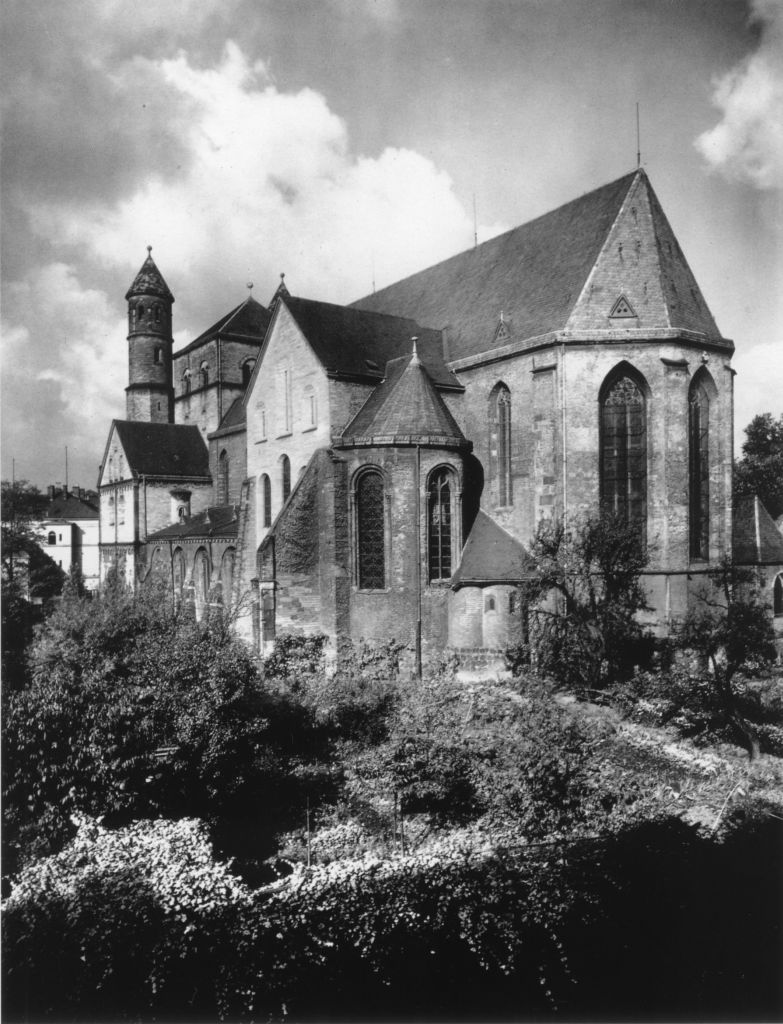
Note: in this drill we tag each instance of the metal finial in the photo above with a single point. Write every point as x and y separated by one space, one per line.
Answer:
250 286
282 278
149 250
415 354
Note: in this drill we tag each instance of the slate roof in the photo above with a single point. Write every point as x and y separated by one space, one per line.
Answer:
405 409
756 540
355 343
163 449
235 418
70 507
491 555
247 320
149 281
218 521
534 274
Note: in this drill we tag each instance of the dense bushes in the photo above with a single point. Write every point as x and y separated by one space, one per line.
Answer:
141 923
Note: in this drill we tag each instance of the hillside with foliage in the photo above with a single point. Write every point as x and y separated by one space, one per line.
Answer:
189 835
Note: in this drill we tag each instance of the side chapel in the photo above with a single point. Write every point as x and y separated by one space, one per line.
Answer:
377 470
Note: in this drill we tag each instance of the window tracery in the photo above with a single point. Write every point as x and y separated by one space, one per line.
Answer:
370 531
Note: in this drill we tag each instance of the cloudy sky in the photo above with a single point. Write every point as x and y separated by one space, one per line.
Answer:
334 139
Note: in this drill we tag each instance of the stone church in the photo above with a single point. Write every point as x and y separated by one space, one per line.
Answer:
377 470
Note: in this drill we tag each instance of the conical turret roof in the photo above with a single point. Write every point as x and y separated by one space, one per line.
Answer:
405 409
149 280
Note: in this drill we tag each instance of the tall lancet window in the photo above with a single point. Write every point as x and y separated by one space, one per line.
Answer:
439 525
223 478
699 470
500 444
285 476
370 532
624 450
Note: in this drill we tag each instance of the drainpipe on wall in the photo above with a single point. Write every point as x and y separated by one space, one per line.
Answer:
563 429
418 561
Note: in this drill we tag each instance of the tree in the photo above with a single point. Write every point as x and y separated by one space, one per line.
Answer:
760 470
135 710
585 597
730 630
23 506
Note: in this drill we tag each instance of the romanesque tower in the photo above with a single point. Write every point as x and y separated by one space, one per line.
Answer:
149 395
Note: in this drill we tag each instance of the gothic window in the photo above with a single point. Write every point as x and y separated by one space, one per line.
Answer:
439 525
285 469
158 354
778 595
223 477
624 449
699 470
204 374
186 382
227 575
266 498
201 573
370 531
489 604
52 537
500 444
178 570
247 371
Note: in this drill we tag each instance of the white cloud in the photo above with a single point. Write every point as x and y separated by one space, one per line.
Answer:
73 339
270 185
747 144
757 386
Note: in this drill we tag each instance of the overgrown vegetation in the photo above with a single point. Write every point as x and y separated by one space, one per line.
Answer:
191 835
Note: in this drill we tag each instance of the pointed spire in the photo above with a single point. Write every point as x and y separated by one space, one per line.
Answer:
282 292
149 280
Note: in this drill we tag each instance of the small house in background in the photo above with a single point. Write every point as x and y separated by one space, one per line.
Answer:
68 532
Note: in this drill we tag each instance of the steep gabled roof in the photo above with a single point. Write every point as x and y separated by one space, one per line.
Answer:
405 409
535 274
491 555
163 449
756 539
248 320
358 344
218 521
233 420
149 281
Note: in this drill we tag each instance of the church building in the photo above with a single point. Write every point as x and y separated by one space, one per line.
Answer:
377 470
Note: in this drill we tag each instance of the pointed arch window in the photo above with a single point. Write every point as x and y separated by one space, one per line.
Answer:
266 499
440 525
370 531
500 444
285 472
204 374
624 449
777 592
224 469
699 470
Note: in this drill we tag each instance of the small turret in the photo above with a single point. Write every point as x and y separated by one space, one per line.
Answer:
150 394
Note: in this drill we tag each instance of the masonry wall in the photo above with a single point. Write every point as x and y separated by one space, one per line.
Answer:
206 406
288 413
234 443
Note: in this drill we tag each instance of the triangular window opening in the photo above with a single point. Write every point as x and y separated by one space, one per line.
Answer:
502 332
622 309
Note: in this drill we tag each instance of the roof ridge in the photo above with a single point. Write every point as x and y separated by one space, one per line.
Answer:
500 235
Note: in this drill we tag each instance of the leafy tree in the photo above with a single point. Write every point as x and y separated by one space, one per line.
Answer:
585 598
730 630
137 710
760 470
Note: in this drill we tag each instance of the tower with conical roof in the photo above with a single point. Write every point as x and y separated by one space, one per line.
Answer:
149 394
